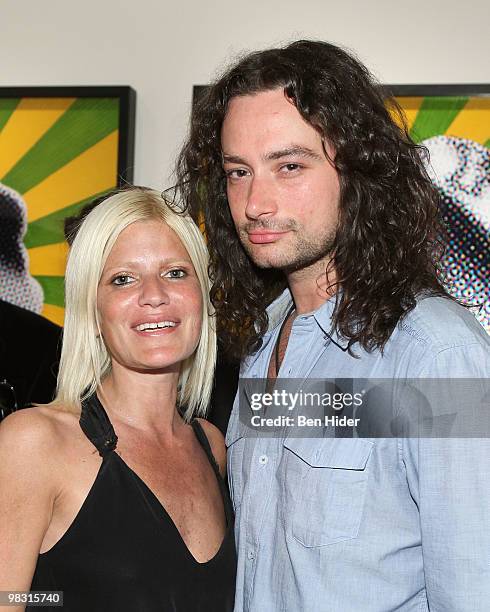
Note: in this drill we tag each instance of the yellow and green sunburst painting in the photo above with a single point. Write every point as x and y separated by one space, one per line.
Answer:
57 154
458 116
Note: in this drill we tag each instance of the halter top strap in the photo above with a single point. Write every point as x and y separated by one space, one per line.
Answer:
96 425
203 440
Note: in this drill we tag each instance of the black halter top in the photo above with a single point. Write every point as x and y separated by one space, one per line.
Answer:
123 553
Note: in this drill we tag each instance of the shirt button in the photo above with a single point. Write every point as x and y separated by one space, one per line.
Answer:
251 554
263 459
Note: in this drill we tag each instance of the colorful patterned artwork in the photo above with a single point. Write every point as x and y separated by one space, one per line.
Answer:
59 149
455 128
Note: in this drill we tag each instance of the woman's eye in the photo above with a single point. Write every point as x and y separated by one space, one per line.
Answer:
177 273
122 279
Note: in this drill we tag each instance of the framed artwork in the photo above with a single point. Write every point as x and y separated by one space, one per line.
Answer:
453 123
60 147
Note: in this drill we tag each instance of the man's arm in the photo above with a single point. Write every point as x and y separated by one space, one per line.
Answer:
454 482
450 482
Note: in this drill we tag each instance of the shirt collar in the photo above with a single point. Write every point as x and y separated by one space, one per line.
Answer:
279 308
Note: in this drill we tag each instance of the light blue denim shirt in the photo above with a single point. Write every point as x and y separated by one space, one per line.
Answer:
364 525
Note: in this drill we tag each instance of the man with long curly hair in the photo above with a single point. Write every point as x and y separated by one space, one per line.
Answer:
325 241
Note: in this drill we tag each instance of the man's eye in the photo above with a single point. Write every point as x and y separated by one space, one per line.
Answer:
122 279
237 173
177 273
290 167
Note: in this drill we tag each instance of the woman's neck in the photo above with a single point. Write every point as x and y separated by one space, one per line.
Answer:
144 400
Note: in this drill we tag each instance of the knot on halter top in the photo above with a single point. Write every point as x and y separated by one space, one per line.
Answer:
96 426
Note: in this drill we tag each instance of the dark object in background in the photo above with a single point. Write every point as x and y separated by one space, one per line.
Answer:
29 354
8 399
72 224
224 391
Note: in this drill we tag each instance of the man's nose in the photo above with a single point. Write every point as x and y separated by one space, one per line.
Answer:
154 292
261 198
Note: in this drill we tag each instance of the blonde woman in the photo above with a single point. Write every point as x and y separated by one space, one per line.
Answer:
114 493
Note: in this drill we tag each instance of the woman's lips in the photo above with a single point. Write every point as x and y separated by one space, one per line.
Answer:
265 237
167 326
159 331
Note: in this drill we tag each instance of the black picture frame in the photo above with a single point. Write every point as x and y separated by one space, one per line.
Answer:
127 114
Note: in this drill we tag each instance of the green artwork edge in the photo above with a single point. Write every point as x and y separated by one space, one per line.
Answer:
84 124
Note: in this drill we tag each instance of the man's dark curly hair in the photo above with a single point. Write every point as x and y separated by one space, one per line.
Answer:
388 243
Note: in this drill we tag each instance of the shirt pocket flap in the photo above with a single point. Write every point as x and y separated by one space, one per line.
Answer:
232 435
341 453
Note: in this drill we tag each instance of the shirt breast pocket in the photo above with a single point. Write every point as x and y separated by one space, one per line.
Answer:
325 488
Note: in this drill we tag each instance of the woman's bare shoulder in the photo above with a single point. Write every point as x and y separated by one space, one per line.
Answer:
38 432
217 443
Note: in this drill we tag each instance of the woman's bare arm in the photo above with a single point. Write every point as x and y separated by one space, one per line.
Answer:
27 492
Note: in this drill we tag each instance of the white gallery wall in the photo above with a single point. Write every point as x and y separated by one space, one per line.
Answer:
162 48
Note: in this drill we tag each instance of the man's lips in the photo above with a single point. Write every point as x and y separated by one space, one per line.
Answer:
265 236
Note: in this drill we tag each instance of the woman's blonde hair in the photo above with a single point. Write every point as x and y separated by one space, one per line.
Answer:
85 360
